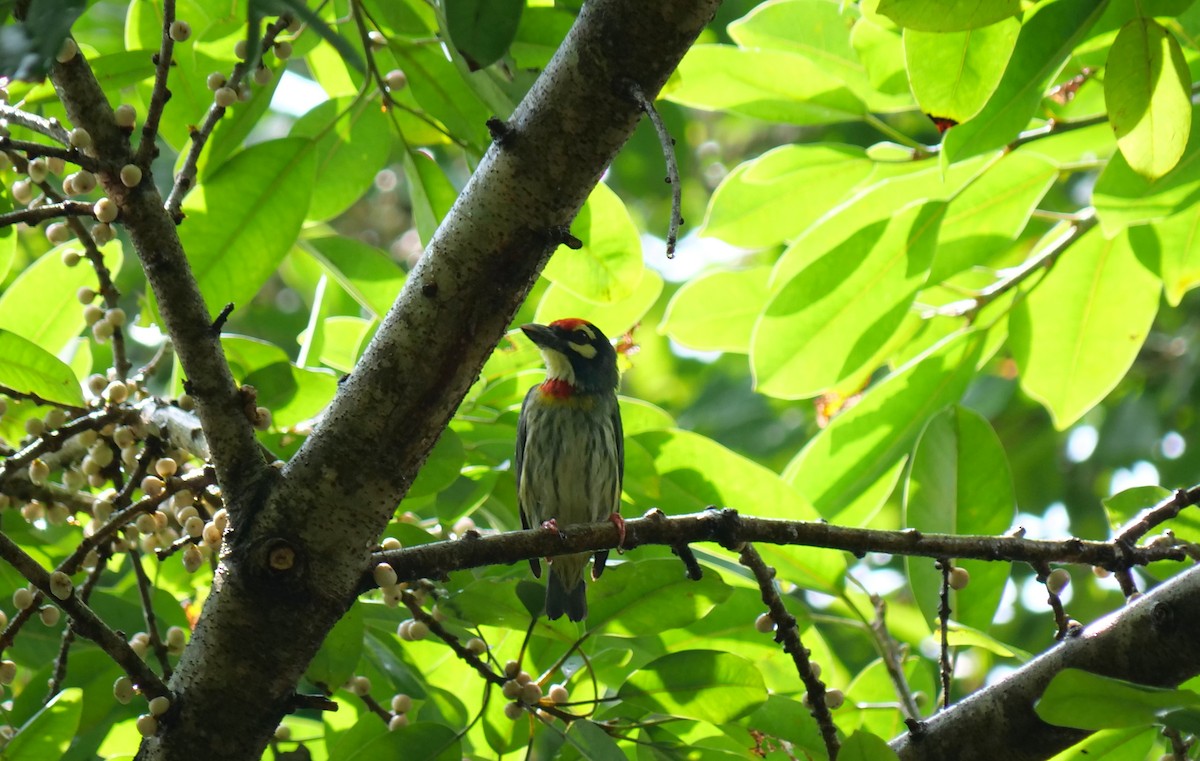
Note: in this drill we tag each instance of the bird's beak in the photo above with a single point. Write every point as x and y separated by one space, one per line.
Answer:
543 336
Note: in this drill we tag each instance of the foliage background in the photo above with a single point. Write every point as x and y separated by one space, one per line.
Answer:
837 261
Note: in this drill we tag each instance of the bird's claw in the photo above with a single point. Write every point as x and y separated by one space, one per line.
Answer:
619 522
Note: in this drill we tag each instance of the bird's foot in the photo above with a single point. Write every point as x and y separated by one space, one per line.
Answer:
551 525
619 522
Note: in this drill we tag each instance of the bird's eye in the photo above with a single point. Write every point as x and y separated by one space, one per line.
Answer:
580 337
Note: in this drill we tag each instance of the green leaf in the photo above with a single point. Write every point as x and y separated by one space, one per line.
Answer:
352 140
1045 43
615 318
344 341
432 193
692 472
293 394
959 482
539 35
717 312
1147 89
366 273
864 746
775 197
1111 745
8 235
869 440
954 74
644 598
28 46
1124 506
592 742
370 739
482 30
50 731
697 684
300 10
440 90
1123 197
988 214
789 720
819 30
244 217
40 304
609 266
772 85
1170 248
947 15
335 662
833 316
441 468
27 368
1075 336
1084 700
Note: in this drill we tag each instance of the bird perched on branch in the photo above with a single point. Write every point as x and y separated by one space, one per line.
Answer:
571 451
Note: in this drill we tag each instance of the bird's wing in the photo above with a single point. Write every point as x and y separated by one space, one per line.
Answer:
521 432
619 435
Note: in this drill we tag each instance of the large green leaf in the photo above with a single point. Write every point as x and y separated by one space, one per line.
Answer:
1112 745
773 85
947 15
959 483
954 74
831 318
369 275
440 90
609 266
774 197
820 31
1171 249
984 219
293 394
697 684
51 729
40 304
649 596
614 318
338 657
691 472
868 441
432 193
482 30
1147 89
1124 197
864 746
244 217
1078 332
1083 700
8 235
717 312
370 738
27 368
351 139
1045 43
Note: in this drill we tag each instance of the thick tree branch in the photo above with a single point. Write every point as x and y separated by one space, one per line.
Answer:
1150 641
234 448
289 573
729 529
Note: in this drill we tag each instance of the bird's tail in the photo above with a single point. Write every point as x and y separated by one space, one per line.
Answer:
565 588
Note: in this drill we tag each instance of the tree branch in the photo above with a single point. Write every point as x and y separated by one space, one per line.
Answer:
1152 640
234 448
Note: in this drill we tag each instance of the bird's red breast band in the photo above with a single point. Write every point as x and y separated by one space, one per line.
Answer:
568 323
557 388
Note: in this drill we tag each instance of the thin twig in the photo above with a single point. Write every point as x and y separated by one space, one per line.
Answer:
160 94
68 636
787 632
12 393
186 176
892 658
944 623
33 216
33 150
668 148
85 620
51 127
146 592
